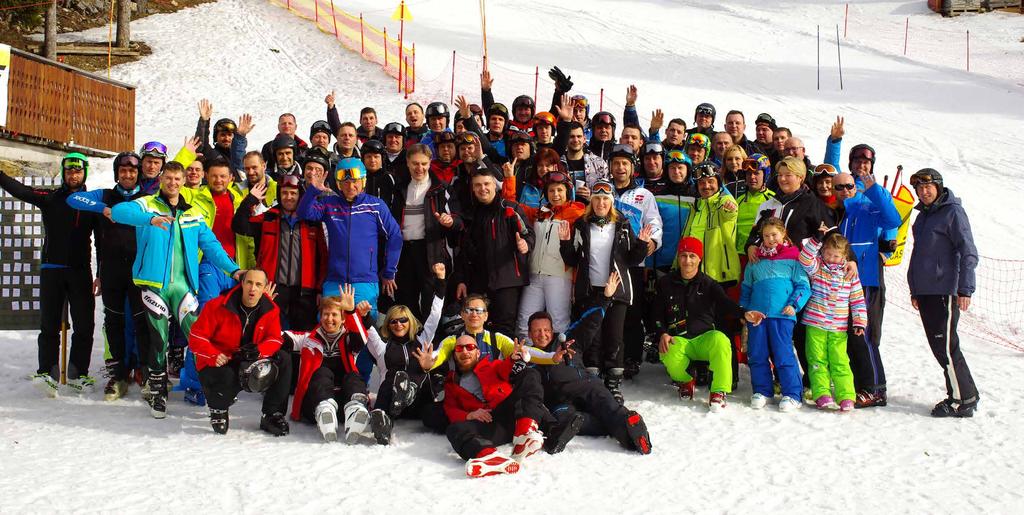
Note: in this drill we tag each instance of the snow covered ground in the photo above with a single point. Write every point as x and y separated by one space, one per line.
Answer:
85 455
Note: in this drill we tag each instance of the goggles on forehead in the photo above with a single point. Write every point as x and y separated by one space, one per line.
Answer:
580 101
698 139
74 164
677 156
705 171
653 148
155 149
863 153
705 111
922 178
602 188
825 169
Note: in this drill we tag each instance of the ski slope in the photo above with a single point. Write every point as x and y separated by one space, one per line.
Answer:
85 455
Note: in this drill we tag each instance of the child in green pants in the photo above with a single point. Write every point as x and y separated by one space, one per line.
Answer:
833 298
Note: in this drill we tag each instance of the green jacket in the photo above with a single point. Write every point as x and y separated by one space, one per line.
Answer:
749 209
713 221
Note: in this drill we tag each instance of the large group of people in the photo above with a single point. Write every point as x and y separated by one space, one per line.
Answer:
493 272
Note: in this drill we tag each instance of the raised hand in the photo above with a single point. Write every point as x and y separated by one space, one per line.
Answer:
564 230
424 356
645 233
565 107
613 284
838 131
191 144
485 80
509 169
631 95
271 290
205 109
521 244
565 348
364 308
463 107
657 120
259 191
348 297
518 352
329 100
444 219
317 178
439 270
245 124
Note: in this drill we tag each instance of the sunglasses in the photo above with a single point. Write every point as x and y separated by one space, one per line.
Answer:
155 149
350 174
465 347
602 188
474 311
402 320
841 187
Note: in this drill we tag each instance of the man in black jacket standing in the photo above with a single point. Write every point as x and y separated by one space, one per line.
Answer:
66 274
494 252
941 280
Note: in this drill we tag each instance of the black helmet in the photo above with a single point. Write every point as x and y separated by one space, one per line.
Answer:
317 155
524 101
863 151
283 141
320 126
224 124
394 128
603 117
438 110
705 108
258 376
127 159
498 109
372 146
926 176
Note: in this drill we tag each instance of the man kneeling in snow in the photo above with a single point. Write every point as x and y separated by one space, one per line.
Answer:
237 345
491 402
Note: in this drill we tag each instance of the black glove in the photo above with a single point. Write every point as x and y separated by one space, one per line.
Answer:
885 245
248 353
562 83
518 366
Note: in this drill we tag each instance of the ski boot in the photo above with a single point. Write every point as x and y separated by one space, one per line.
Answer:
526 440
613 381
489 463
275 423
326 415
219 420
403 393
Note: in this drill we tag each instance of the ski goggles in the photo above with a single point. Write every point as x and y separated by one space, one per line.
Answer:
350 174
698 139
126 160
580 101
225 126
825 169
545 118
653 148
677 156
765 118
394 128
750 165
705 171
466 138
73 163
862 153
603 119
498 109
602 188
289 181
401 320
154 149
519 136
705 110
556 178
465 347
920 178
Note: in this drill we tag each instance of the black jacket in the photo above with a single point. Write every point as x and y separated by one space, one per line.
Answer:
689 308
115 243
627 252
488 257
68 237
384 186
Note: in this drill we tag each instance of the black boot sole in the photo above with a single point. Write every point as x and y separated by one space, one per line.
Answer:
559 439
381 426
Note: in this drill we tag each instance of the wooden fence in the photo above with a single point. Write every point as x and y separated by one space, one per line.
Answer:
52 101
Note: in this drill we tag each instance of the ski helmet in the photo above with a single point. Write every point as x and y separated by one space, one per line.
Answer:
524 101
603 118
394 128
372 146
224 124
438 109
154 149
283 141
317 155
707 170
75 160
705 108
678 156
258 376
498 109
320 126
623 150
862 151
127 159
652 147
926 176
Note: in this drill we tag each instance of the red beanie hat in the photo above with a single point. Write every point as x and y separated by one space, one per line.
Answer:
691 244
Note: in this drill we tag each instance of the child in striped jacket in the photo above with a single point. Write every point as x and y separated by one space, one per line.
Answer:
827 315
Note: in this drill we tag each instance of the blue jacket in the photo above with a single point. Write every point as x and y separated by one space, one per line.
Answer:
832 150
771 284
944 255
153 258
353 231
867 216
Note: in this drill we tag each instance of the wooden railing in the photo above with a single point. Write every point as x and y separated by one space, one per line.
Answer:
55 102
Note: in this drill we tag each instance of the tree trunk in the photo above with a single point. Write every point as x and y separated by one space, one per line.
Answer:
50 32
124 20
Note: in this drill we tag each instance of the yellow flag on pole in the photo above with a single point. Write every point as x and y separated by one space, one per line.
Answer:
904 201
402 13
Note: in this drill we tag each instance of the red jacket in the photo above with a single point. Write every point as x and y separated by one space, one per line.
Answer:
219 329
311 356
494 380
266 229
